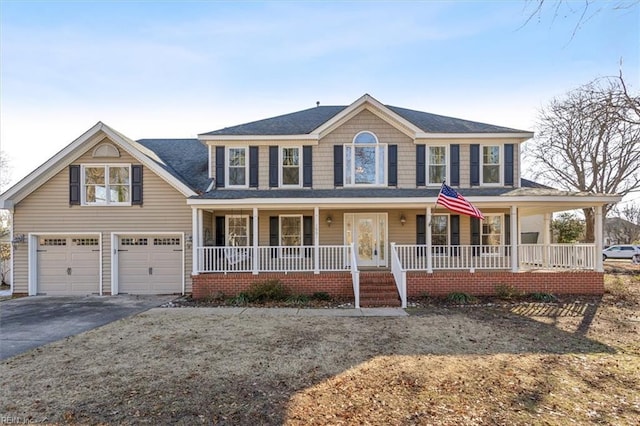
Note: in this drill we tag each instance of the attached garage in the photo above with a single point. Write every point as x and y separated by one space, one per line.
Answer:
68 265
150 264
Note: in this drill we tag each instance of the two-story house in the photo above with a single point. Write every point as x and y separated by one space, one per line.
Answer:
325 199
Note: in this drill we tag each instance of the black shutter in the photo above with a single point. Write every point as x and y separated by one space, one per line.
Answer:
454 174
219 166
475 165
421 176
273 166
393 165
307 234
274 237
74 185
455 229
508 164
307 166
253 166
220 237
136 184
338 166
250 243
421 233
475 235
455 234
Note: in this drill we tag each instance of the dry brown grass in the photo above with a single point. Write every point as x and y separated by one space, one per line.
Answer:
513 364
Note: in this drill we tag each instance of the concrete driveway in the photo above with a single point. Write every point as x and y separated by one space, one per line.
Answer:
29 322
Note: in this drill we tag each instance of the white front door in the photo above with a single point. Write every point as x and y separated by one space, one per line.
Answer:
369 232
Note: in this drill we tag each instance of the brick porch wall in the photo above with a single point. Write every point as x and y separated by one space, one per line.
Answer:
440 283
336 284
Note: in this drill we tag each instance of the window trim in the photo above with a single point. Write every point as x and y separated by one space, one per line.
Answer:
291 251
349 173
427 164
227 234
496 251
106 166
281 167
500 165
227 166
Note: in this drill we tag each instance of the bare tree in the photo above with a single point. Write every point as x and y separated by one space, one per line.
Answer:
625 226
589 141
4 171
580 11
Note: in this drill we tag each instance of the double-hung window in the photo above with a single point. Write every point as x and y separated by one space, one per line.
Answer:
237 166
106 184
365 161
291 235
492 234
436 164
439 233
491 165
290 166
237 230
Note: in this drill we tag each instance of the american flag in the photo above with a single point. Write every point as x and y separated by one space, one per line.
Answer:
450 198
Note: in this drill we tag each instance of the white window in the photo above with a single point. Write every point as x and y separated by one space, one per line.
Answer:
436 164
440 233
365 161
237 167
237 230
291 235
492 235
290 166
490 167
106 184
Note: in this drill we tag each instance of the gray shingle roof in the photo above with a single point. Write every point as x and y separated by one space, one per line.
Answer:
185 159
239 194
304 122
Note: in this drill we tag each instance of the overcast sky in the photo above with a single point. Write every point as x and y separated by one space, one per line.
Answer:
175 69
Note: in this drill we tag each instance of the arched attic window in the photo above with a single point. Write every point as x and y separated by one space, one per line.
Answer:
365 161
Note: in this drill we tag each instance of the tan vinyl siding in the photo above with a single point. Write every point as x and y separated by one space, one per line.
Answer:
47 210
386 133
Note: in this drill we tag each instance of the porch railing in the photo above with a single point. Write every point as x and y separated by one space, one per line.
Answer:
557 256
413 257
274 259
399 275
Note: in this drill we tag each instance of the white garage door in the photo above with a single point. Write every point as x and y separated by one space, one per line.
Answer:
150 264
68 265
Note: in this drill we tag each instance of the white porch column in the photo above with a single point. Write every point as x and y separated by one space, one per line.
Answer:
546 240
196 216
316 240
428 238
255 241
514 238
599 237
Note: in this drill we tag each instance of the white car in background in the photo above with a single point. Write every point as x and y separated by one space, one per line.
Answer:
620 251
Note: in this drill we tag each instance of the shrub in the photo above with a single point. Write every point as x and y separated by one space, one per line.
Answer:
460 297
507 292
321 295
270 290
298 299
544 297
240 300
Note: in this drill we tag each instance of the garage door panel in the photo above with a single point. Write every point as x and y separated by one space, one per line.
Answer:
68 265
150 264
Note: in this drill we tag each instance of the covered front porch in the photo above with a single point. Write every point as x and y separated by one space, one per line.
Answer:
298 243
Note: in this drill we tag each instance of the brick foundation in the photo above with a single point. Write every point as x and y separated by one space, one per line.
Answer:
336 284
484 283
439 283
